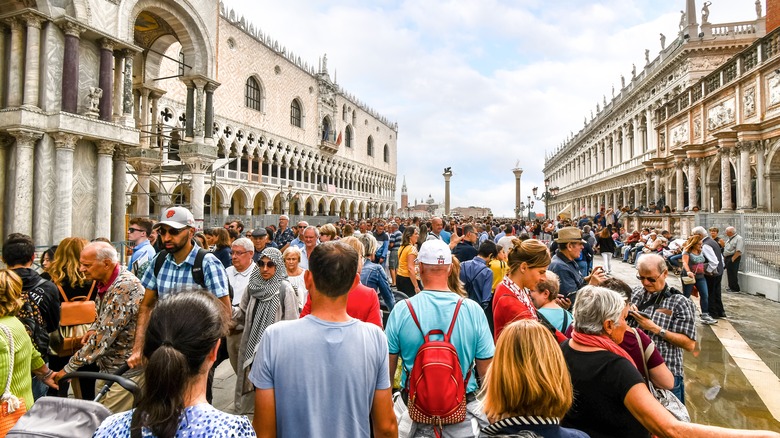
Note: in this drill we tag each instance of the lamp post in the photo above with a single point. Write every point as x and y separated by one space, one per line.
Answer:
548 195
372 205
530 206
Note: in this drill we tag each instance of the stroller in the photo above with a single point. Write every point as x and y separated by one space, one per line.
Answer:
54 417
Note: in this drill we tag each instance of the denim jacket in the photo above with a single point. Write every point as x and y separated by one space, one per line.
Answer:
373 276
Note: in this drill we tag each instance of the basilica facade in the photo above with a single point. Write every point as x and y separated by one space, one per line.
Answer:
696 127
112 108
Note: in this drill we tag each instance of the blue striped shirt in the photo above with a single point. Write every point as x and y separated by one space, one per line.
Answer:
174 277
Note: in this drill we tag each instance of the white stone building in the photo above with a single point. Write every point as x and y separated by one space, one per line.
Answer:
704 111
114 108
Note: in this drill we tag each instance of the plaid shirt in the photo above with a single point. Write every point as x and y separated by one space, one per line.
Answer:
283 237
681 321
173 276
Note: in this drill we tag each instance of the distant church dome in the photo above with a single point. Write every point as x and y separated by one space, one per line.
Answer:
430 200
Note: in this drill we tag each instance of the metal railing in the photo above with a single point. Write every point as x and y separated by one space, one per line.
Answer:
761 232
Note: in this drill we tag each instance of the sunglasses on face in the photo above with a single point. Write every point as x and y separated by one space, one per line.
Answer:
172 231
134 230
648 279
261 264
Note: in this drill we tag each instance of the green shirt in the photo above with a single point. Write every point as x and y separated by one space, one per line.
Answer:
26 359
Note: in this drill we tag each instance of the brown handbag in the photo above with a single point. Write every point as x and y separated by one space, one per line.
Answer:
76 315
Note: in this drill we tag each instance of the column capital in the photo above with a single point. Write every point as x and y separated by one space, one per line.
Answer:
105 147
198 165
26 138
33 20
107 44
72 29
120 152
14 23
66 141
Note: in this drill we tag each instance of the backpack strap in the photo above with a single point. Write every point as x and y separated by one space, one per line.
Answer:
454 318
158 262
91 289
62 292
197 268
414 315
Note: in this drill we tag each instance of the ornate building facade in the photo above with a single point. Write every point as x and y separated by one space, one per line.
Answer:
698 126
112 108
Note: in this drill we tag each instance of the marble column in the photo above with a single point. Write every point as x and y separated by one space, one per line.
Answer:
209 116
518 172
725 179
760 177
70 67
189 125
15 67
657 186
63 210
679 202
198 168
32 59
200 112
693 170
23 184
704 202
105 79
5 143
119 85
127 86
118 194
745 186
105 154
649 188
224 210
637 196
3 67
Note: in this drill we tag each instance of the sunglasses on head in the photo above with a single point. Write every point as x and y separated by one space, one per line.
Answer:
261 264
172 231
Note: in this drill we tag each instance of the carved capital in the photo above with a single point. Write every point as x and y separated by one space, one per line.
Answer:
107 44
120 152
197 165
33 20
66 141
72 29
25 138
735 151
105 147
14 23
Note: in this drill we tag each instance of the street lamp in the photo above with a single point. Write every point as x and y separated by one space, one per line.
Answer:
520 211
549 194
372 205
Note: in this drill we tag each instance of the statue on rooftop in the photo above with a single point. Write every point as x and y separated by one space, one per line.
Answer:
682 20
647 56
759 9
633 66
663 41
622 81
705 12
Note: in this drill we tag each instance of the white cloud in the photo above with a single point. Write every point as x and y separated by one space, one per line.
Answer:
478 85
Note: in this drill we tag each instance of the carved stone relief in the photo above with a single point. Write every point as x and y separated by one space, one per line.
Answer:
721 114
89 66
84 190
749 102
774 90
679 135
707 62
697 126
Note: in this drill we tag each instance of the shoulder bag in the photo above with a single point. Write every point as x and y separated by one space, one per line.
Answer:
11 407
667 399
76 316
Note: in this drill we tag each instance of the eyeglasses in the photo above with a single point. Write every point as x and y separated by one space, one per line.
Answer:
172 231
261 264
134 230
301 226
648 279
240 253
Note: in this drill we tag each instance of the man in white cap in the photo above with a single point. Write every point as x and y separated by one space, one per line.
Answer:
176 230
435 307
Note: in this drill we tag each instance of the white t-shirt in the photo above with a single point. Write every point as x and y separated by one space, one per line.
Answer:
239 281
506 242
300 289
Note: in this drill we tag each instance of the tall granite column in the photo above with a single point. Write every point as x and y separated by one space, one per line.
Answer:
119 85
745 186
105 153
32 59
23 190
760 177
70 67
693 170
118 195
15 68
725 180
518 174
63 210
106 79
447 175
127 88
649 190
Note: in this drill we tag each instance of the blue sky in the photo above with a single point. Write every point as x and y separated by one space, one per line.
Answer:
477 85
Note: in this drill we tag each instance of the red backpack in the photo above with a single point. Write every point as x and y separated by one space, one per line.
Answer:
437 389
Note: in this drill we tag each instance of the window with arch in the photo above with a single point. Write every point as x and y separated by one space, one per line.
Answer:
295 113
370 146
348 137
387 154
181 62
344 112
254 94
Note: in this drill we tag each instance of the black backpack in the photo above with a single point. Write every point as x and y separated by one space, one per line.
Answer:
197 269
30 316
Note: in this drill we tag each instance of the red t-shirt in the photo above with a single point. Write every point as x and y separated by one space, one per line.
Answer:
362 304
507 308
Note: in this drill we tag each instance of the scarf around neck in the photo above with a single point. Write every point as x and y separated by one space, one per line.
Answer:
601 341
267 301
521 293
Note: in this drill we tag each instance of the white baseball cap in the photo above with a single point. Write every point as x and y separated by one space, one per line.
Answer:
177 217
435 252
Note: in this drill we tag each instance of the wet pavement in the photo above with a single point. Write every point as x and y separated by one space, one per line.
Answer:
732 379
735 357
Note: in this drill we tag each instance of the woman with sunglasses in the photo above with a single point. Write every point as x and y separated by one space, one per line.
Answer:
269 298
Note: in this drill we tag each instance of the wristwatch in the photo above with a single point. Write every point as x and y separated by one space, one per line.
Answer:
662 333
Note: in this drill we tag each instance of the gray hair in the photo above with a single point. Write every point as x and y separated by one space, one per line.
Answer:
649 260
292 249
316 231
586 229
732 229
700 231
594 306
104 251
245 243
369 243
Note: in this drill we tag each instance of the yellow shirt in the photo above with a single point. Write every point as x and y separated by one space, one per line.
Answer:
403 266
499 268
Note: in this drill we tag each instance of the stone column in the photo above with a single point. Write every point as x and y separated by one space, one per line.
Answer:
70 67
637 196
209 116
649 189
127 87
189 130
23 185
657 185
119 85
106 78
745 189
32 76
5 143
760 177
105 154
15 68
143 174
725 178
518 198
144 114
679 186
63 210
447 175
118 194
3 68
693 170
198 167
704 202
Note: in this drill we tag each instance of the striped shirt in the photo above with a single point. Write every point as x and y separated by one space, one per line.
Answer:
174 277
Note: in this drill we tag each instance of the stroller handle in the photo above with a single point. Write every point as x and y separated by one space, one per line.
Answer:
115 377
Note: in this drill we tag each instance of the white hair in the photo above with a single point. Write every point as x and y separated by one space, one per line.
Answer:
245 243
292 249
104 251
700 231
369 243
594 306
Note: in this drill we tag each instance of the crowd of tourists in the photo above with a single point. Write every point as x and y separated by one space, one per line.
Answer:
383 327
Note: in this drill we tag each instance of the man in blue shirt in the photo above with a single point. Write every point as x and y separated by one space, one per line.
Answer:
434 307
477 276
346 362
143 251
465 249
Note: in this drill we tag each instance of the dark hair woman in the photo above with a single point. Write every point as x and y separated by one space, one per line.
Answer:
182 340
406 274
46 258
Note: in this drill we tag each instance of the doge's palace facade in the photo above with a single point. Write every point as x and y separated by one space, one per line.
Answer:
112 108
698 126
